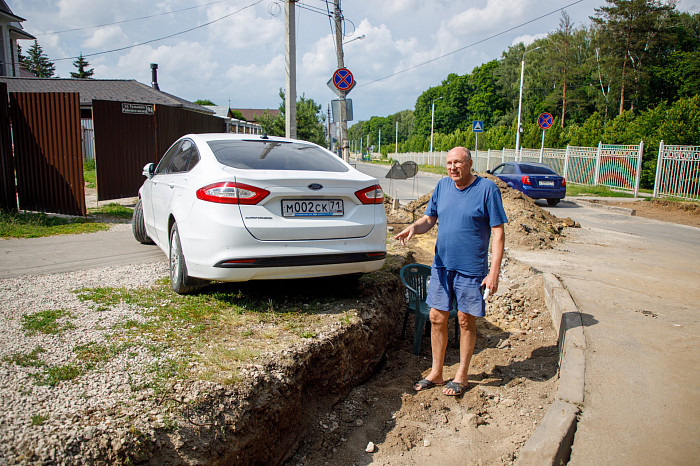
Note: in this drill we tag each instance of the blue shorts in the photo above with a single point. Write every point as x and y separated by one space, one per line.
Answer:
448 287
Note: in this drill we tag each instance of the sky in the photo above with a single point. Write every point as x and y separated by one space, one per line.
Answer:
232 52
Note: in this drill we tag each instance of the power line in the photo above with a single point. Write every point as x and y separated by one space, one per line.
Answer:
471 45
164 37
130 20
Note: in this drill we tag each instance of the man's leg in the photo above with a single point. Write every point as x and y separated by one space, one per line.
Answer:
467 341
438 342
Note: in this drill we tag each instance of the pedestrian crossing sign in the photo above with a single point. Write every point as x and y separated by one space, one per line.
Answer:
477 126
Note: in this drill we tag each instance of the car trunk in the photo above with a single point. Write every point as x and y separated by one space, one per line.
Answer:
308 210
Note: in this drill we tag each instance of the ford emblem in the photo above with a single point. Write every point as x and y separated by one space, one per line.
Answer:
315 186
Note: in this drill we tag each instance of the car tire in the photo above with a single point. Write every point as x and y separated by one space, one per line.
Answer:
553 202
179 280
138 226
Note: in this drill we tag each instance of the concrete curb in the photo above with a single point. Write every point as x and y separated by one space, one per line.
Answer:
619 210
551 442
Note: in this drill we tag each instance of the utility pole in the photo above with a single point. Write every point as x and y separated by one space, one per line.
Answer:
330 136
343 136
290 48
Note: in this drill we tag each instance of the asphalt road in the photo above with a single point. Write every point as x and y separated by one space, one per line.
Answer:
636 282
66 253
405 190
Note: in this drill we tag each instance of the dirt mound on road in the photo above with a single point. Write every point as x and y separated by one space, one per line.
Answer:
529 226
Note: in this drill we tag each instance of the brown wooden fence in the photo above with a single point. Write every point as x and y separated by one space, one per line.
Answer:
8 195
131 135
48 153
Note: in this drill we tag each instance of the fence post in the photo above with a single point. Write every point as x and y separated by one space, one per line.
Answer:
488 159
566 163
503 155
597 163
639 168
658 169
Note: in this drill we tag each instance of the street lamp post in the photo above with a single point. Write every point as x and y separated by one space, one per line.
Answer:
432 122
520 102
354 38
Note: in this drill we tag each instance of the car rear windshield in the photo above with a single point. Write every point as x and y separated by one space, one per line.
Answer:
274 155
536 170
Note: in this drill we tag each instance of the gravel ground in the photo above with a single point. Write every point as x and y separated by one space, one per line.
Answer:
35 409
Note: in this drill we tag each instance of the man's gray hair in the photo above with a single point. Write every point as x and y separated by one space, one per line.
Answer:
464 150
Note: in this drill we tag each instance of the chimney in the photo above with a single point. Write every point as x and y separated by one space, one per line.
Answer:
154 76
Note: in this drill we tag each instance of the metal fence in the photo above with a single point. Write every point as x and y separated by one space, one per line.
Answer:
678 172
88 138
614 166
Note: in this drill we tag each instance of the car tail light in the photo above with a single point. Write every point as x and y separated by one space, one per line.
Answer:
371 195
526 180
563 183
228 192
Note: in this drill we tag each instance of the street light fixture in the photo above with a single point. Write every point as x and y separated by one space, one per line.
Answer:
355 38
520 102
432 122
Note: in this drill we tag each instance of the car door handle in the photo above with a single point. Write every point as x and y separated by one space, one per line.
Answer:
171 186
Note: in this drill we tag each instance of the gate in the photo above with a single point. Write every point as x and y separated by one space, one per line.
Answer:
48 153
8 195
124 143
131 135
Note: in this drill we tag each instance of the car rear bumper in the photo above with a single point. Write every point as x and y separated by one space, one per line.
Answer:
545 193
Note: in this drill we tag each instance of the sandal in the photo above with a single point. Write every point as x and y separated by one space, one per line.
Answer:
456 387
424 384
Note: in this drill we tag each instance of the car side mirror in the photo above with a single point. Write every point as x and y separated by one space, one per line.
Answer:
489 172
148 170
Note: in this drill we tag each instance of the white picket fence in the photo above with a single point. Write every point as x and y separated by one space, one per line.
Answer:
614 166
678 172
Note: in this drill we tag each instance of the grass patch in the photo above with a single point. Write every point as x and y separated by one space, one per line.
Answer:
46 322
112 210
89 174
27 359
601 191
35 225
39 419
226 325
92 353
53 375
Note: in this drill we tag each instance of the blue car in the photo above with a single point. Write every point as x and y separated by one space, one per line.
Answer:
535 180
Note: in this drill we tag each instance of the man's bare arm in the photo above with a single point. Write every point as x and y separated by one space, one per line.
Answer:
498 241
420 226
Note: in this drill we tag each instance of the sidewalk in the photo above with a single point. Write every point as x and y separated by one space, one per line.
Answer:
635 282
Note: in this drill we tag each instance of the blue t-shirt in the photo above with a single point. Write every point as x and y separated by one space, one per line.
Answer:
465 219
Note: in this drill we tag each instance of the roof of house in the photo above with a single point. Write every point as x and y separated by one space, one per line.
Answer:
250 113
101 89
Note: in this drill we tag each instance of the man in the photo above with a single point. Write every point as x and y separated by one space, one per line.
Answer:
470 211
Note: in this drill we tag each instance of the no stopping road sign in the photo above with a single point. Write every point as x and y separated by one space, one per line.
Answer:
545 121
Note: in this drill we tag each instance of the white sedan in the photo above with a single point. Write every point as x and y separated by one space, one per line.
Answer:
234 207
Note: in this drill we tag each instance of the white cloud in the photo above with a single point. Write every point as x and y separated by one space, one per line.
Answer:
106 37
494 16
243 29
528 39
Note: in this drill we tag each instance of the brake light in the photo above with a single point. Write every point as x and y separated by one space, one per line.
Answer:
228 192
371 195
526 180
563 183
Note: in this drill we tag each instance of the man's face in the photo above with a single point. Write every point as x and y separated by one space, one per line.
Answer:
458 167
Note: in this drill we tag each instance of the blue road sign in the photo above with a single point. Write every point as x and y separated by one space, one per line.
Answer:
477 126
545 121
343 80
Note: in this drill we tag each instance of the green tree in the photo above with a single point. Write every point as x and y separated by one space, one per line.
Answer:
629 30
82 64
204 102
309 121
38 63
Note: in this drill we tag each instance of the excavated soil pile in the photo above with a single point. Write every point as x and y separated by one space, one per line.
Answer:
529 226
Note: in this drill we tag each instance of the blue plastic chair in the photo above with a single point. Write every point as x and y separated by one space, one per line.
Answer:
415 278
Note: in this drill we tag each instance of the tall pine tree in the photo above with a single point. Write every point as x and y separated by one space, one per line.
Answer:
38 63
81 63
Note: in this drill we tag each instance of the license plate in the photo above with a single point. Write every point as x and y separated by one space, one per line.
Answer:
312 208
547 183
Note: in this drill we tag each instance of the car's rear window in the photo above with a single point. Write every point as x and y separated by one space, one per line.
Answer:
536 170
274 155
